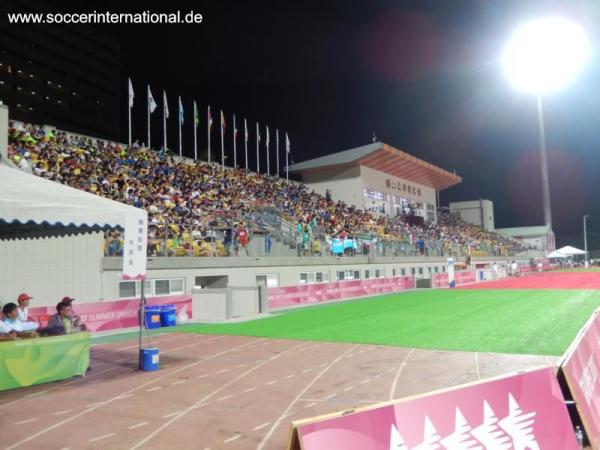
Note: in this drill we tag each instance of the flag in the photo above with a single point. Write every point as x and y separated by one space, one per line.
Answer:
235 130
196 116
287 143
180 111
257 132
223 125
209 118
165 105
268 140
131 95
245 131
151 102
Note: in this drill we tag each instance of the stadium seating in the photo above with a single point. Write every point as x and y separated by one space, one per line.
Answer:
191 205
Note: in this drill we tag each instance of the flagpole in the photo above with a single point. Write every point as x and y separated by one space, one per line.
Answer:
129 125
208 122
165 121
287 152
257 152
195 132
277 149
268 156
148 101
246 143
222 143
180 147
234 144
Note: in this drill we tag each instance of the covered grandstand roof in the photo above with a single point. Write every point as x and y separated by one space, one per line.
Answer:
524 231
385 158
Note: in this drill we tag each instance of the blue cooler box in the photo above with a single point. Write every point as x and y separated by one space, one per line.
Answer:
152 317
149 359
168 315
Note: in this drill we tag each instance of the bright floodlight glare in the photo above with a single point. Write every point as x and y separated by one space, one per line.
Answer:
545 54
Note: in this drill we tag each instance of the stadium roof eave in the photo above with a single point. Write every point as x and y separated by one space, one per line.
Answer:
387 159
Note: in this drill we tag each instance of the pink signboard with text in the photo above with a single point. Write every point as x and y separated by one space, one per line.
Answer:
440 280
304 294
523 411
102 316
581 368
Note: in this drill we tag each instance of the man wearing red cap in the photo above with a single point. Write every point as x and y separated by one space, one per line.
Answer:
23 311
75 319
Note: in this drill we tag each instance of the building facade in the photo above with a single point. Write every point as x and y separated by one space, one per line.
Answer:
478 212
378 178
62 75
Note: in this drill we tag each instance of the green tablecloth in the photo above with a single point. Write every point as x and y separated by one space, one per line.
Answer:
34 361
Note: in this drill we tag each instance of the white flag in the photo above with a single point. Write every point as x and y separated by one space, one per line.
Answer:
131 95
245 130
165 105
287 144
268 139
257 132
151 102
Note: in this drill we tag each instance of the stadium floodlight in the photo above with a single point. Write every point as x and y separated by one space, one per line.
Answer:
543 56
546 54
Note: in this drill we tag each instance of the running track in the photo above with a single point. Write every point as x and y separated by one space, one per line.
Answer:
544 280
226 392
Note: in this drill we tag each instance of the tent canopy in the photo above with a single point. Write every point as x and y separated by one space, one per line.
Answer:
566 251
26 198
32 206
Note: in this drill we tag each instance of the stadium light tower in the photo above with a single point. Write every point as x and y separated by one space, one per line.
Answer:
543 56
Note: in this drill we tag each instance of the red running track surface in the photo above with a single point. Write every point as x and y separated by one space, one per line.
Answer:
545 280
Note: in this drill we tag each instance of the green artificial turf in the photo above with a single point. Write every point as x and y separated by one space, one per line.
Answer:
540 322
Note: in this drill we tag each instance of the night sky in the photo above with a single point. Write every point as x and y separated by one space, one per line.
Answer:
423 75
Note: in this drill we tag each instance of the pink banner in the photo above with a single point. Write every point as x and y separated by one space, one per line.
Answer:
525 411
304 294
440 280
111 315
581 367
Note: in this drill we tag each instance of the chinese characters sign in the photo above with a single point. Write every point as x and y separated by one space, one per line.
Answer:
402 187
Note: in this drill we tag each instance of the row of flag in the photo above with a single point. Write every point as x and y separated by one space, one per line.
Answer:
152 105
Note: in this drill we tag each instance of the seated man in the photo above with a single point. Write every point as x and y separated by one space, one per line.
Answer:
11 320
62 322
6 334
74 317
23 312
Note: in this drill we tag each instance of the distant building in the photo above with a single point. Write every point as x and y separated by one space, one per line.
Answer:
477 212
379 178
537 238
67 76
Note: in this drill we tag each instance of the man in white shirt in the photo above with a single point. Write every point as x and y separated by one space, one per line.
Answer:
23 312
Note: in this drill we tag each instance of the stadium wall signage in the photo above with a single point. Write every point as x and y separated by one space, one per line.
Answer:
581 370
102 316
305 294
523 411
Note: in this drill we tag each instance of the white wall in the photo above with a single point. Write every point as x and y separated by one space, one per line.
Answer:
471 211
50 268
344 184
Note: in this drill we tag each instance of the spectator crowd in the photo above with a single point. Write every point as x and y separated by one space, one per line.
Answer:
200 209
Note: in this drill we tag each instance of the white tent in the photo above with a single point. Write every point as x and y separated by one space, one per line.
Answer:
565 252
27 199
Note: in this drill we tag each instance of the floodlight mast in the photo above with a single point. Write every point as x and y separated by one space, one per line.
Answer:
543 56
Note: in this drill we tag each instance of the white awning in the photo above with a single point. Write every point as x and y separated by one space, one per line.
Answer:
26 198
570 251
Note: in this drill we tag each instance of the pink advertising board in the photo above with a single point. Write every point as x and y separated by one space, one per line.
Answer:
304 294
111 315
523 411
440 280
581 368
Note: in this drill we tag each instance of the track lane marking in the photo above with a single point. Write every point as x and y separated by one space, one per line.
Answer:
399 372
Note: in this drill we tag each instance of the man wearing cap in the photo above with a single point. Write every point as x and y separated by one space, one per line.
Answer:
23 312
75 319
